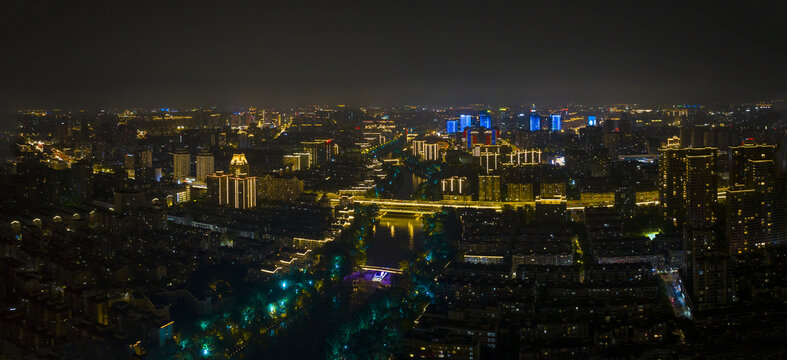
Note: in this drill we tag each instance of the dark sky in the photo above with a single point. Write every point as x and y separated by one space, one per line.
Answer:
136 53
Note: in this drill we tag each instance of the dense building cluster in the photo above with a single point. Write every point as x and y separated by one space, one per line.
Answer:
523 232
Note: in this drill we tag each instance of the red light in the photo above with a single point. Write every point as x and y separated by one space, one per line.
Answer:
357 128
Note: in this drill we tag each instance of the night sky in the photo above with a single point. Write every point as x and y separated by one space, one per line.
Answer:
193 53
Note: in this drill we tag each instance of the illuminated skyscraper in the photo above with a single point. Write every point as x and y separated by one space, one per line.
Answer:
205 165
753 203
556 122
701 188
452 126
239 165
740 155
237 191
484 120
243 191
591 120
431 152
688 185
418 147
181 164
535 122
465 121
218 188
321 150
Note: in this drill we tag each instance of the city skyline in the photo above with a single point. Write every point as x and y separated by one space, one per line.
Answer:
350 180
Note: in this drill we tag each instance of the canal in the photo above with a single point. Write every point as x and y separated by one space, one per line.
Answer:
397 236
409 185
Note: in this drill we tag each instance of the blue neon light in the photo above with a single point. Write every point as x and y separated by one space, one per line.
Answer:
452 126
535 122
485 121
465 121
555 122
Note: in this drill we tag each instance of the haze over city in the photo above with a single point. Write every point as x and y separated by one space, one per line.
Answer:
198 53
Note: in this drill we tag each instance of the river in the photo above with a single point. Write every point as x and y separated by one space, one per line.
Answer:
397 236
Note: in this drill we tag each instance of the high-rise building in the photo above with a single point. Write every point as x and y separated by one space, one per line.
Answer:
239 164
553 189
452 126
475 136
205 165
525 157
293 162
535 121
237 191
489 188
431 152
129 162
218 188
465 121
701 188
556 122
688 185
243 191
418 147
321 150
591 120
306 160
145 159
484 120
752 206
519 191
761 174
489 161
424 150
750 224
711 281
740 155
181 164
456 188
275 188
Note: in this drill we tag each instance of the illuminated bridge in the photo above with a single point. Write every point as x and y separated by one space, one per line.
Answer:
382 269
421 207
424 207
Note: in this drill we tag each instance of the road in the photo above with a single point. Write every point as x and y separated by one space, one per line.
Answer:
676 293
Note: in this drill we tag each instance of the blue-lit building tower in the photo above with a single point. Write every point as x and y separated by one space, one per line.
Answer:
484 120
535 121
556 123
452 126
465 121
591 120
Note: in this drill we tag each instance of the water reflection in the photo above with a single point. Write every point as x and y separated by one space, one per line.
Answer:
403 238
409 185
